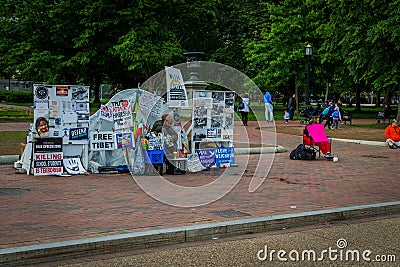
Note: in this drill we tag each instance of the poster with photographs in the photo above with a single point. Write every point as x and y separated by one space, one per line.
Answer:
64 106
213 118
66 109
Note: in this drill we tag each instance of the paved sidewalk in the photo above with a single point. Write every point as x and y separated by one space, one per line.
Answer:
54 209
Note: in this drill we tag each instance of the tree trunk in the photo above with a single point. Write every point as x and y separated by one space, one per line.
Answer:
388 96
378 99
96 91
358 98
326 90
398 106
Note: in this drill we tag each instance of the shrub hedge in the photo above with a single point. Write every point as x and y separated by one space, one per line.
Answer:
16 97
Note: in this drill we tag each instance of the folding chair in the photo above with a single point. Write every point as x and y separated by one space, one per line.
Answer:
314 136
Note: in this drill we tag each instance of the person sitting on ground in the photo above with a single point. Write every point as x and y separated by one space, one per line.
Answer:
392 134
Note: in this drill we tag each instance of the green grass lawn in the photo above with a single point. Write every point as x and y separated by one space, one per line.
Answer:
15 115
259 111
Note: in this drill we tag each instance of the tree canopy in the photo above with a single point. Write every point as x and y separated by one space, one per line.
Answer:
355 44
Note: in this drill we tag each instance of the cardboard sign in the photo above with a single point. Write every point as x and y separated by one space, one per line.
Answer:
101 141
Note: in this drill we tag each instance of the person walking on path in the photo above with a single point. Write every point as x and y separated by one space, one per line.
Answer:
392 134
269 108
327 113
244 109
292 106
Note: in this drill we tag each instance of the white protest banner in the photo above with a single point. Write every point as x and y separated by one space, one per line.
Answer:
176 96
106 113
122 114
101 141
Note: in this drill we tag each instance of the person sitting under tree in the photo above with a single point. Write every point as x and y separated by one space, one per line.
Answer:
392 134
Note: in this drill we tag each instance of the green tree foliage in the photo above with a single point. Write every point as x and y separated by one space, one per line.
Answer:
92 42
356 44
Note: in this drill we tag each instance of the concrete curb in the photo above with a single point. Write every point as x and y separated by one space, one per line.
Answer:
114 243
361 142
8 159
260 150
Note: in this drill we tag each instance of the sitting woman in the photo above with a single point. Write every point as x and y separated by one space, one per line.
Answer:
314 134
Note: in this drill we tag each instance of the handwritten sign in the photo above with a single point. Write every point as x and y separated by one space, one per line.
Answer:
122 114
106 113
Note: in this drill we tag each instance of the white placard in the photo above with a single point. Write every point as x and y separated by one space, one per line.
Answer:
176 91
74 166
101 141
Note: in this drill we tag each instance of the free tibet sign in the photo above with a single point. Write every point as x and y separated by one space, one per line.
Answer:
101 140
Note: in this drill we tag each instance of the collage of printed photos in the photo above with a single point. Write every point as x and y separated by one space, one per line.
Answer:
213 117
67 110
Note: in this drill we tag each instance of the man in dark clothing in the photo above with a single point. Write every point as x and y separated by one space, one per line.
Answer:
292 106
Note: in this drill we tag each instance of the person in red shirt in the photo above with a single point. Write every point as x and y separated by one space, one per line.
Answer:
392 134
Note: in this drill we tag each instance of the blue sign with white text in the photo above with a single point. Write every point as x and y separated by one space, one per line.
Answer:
224 155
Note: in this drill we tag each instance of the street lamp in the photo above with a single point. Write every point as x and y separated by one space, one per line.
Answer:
308 54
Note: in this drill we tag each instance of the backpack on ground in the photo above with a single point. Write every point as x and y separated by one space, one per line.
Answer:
302 152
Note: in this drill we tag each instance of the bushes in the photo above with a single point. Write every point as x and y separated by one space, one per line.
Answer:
16 97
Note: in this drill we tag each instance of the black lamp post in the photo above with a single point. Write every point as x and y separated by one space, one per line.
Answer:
308 54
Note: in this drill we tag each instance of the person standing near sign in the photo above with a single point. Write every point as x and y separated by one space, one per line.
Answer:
42 126
244 108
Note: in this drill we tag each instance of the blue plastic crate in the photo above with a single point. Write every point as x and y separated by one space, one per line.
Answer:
155 156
